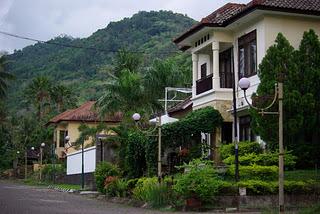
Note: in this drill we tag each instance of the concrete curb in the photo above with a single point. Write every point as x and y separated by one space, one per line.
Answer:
60 189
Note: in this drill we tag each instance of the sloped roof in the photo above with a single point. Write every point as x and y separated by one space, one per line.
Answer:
85 113
231 12
181 105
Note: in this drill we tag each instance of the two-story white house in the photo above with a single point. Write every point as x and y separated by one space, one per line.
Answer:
233 40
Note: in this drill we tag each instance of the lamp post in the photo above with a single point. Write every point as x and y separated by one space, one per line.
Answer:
41 155
26 162
244 84
136 117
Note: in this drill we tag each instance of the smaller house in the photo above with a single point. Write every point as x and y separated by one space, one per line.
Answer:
68 122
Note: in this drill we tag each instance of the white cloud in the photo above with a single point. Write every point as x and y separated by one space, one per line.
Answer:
45 19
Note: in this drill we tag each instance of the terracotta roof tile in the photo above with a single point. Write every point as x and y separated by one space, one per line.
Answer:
231 12
181 105
85 113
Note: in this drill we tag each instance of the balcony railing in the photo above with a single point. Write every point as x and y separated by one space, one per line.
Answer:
204 84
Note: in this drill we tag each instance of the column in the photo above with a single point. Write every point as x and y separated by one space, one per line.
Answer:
215 66
195 60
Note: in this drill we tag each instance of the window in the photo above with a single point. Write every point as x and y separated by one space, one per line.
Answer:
225 69
245 132
248 55
62 136
203 70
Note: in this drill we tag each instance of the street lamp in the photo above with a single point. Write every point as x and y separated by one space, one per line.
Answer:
136 117
26 162
41 155
244 84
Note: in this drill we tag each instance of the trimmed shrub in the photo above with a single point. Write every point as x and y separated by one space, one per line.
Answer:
256 187
227 150
200 181
103 170
255 172
264 159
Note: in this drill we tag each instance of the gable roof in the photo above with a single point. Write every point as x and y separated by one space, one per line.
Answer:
85 113
232 12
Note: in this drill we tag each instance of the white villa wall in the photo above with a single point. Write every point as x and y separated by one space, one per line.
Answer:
74 161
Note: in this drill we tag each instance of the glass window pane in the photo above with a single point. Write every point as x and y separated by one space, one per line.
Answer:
241 63
253 58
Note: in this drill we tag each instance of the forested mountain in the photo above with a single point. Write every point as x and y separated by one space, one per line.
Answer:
147 33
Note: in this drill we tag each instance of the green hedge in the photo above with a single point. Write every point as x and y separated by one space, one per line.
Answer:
264 159
244 148
255 172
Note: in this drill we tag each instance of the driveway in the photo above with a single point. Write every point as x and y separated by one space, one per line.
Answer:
21 199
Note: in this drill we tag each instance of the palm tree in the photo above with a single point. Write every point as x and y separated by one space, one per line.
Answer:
4 77
38 93
63 97
125 91
163 73
125 94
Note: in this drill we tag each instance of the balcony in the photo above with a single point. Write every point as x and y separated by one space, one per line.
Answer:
204 84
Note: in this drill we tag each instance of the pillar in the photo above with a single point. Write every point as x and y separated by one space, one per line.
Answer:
195 60
215 66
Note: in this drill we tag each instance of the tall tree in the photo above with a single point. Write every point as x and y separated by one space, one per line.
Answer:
63 97
125 91
300 72
4 77
163 73
38 93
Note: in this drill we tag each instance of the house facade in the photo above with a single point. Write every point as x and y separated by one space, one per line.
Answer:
68 123
230 43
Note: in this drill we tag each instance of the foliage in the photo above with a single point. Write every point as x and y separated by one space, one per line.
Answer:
300 71
143 186
264 159
255 172
311 210
87 132
244 148
49 171
164 73
135 159
151 156
201 120
149 33
258 187
4 77
117 187
199 181
103 170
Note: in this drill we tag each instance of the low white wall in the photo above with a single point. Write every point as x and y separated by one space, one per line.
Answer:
74 161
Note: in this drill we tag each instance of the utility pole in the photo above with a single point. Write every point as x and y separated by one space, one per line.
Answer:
281 150
82 166
159 148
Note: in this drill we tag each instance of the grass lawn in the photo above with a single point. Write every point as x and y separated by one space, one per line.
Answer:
68 186
33 182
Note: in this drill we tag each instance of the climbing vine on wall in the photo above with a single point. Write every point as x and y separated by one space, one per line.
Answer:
201 120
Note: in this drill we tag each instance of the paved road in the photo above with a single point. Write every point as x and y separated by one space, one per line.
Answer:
20 199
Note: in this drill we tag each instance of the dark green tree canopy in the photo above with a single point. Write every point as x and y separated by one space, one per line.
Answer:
300 72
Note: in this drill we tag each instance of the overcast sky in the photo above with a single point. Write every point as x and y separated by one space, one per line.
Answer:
45 19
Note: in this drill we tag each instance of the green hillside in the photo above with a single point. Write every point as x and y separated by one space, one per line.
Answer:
148 33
